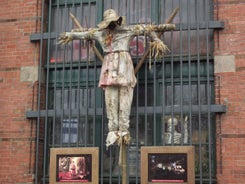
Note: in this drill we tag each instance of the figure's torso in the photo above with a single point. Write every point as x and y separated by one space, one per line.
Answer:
115 40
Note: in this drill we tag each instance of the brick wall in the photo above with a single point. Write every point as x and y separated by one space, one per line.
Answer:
18 73
230 69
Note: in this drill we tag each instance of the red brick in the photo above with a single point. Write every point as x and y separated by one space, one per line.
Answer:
16 24
232 89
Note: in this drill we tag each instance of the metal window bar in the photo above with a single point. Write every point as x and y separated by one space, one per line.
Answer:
179 85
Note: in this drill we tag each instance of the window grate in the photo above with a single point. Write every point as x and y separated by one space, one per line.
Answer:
180 86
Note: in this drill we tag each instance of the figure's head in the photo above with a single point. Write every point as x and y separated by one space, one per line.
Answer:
173 121
110 18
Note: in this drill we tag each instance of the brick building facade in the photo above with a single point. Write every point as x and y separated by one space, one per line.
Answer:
229 53
18 90
19 60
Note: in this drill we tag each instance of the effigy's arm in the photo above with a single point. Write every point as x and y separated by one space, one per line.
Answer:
162 27
155 45
67 37
148 28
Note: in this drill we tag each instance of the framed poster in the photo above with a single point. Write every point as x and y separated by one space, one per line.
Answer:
74 165
167 164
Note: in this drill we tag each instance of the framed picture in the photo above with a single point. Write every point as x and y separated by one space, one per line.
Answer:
167 164
74 165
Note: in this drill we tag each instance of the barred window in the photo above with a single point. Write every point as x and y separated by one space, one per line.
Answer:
174 99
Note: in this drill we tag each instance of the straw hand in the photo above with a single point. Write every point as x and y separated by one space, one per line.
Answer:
64 39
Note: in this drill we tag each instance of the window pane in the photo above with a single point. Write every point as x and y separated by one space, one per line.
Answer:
86 15
72 131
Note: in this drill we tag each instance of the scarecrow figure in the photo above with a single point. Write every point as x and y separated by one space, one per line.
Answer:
117 76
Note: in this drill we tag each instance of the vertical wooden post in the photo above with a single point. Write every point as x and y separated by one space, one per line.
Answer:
124 163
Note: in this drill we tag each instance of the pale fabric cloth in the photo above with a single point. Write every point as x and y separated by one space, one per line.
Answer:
118 106
117 73
118 79
117 70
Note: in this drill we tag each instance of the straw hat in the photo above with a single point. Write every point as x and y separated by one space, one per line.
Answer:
109 16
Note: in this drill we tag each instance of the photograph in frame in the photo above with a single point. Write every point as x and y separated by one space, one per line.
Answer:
74 165
167 164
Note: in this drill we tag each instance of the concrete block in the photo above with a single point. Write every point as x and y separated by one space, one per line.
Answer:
224 64
29 73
